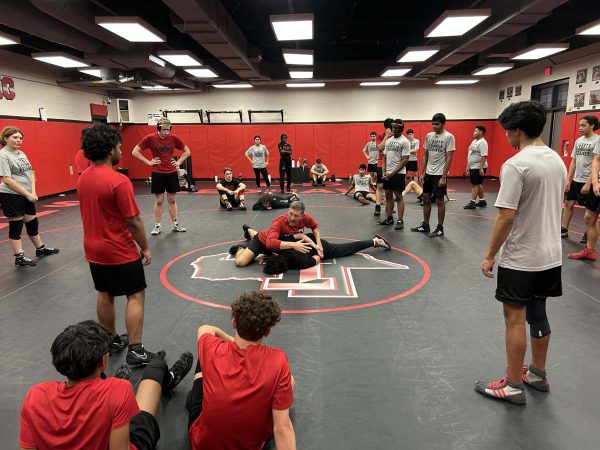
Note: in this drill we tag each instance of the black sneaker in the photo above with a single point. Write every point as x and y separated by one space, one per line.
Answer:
234 248
388 221
470 205
228 206
123 372
118 344
377 210
399 225
583 239
438 232
246 227
45 251
564 233
22 260
423 228
481 204
193 188
242 206
178 371
141 356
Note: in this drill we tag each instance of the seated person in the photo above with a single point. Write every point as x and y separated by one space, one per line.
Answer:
243 389
88 410
319 172
185 181
418 190
231 191
270 201
361 183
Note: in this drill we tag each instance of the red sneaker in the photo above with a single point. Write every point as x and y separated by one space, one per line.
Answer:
503 389
586 253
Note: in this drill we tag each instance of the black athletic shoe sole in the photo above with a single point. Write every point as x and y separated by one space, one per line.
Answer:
246 227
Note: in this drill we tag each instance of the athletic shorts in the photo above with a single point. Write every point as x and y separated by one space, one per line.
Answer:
476 177
257 247
412 166
143 431
162 182
397 183
119 279
230 198
361 194
15 205
194 401
574 193
517 287
430 186
592 202
372 168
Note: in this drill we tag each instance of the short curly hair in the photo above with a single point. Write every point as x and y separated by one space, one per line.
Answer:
255 313
98 141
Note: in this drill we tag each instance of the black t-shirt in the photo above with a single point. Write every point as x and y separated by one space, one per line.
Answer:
285 146
231 185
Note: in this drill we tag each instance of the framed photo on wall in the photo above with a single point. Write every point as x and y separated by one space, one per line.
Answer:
518 90
579 100
595 97
581 76
596 73
509 92
501 94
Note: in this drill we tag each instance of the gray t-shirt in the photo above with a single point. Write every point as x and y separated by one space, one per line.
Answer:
371 147
258 156
361 183
477 149
319 168
16 166
414 147
583 154
395 149
532 182
436 146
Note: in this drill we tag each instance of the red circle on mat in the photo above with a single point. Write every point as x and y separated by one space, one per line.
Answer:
424 279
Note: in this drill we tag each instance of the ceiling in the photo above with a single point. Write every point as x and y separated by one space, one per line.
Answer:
353 40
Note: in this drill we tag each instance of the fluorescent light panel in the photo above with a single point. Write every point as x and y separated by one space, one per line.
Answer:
156 87
458 81
292 27
492 69
457 22
131 28
394 71
93 72
233 86
301 73
202 73
60 59
7 39
298 57
540 51
589 29
380 83
305 85
180 58
417 54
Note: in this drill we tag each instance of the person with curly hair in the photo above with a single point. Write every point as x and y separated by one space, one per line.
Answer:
239 380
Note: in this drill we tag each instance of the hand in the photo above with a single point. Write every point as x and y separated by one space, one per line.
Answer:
230 192
421 179
481 172
467 171
487 267
146 256
388 132
442 181
31 197
385 175
302 247
175 163
568 187
320 250
597 189
154 161
584 189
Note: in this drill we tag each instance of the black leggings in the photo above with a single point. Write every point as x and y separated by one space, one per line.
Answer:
285 166
265 174
331 251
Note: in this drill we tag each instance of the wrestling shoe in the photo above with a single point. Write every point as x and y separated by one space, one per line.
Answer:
242 206
583 239
481 204
22 260
438 232
377 210
156 229
388 221
228 206
535 378
118 344
399 225
178 228
246 227
503 389
564 233
193 188
178 371
45 251
123 372
380 241
138 355
586 253
423 228
470 205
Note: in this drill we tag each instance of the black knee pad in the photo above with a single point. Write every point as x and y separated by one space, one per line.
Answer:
14 229
537 319
155 370
32 227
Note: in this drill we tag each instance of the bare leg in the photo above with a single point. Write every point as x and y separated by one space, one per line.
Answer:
474 192
389 202
481 193
105 309
158 202
539 351
516 340
243 257
378 193
567 213
441 205
426 207
134 317
148 396
591 222
399 205
172 206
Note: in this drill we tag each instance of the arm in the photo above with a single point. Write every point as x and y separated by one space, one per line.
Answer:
570 174
317 233
249 158
283 430
365 150
137 153
502 227
19 189
215 331
241 187
304 238
266 156
119 438
423 167
595 170
186 153
386 136
449 156
399 167
326 170
136 228
482 162
350 188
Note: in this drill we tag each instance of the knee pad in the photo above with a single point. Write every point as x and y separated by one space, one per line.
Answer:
32 227
155 370
537 319
14 229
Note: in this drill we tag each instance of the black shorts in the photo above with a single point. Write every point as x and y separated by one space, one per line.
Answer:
120 279
143 431
430 186
194 401
372 168
412 166
162 182
476 177
361 194
574 193
15 205
517 287
397 183
592 202
256 247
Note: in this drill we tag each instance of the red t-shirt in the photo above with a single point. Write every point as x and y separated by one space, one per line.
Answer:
241 388
163 149
106 200
81 162
270 238
81 417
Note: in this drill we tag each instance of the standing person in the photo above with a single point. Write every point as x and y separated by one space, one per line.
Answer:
380 139
579 179
476 167
319 172
258 155
361 183
529 206
439 148
162 144
372 155
111 228
18 197
412 168
285 163
395 158
231 191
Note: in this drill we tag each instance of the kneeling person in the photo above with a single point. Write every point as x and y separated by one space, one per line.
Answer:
231 191
361 183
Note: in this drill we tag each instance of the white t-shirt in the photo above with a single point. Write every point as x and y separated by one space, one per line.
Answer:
437 145
583 153
395 149
532 182
361 183
371 147
477 149
414 147
258 156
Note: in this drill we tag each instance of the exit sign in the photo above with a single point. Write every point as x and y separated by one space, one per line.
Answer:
547 71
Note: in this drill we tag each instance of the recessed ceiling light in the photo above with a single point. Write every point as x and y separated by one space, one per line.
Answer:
540 51
7 39
298 57
417 54
590 28
301 73
202 73
458 81
292 27
156 87
380 83
93 72
180 58
131 28
492 69
457 22
395 71
305 85
60 59
233 86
